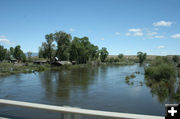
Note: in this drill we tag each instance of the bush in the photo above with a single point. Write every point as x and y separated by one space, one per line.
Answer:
120 56
132 76
112 59
127 78
160 68
41 68
175 59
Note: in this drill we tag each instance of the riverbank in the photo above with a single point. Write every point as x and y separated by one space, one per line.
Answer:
11 68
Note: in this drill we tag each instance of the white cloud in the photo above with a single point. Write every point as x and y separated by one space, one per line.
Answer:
136 32
71 30
160 47
176 36
162 23
151 33
3 39
117 33
159 37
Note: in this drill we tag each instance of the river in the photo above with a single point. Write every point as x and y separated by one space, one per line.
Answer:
101 88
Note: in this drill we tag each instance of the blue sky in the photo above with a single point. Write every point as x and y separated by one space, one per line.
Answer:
122 26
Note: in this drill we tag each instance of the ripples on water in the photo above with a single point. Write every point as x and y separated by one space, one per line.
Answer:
101 88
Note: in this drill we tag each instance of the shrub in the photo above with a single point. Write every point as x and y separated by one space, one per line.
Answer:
132 76
41 68
160 68
120 56
127 78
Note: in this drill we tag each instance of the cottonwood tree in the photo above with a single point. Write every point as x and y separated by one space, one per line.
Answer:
2 53
63 41
103 54
82 50
120 56
47 48
18 53
141 56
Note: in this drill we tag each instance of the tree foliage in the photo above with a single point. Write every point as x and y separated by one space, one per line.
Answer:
16 52
47 48
161 68
19 54
175 59
103 54
120 56
2 53
11 51
78 49
63 41
141 56
82 50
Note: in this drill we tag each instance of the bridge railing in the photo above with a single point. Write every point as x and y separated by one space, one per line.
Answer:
77 112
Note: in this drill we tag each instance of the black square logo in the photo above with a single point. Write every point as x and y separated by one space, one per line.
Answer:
172 111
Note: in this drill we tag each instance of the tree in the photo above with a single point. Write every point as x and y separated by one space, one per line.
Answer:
49 46
18 53
2 53
120 56
141 56
94 52
42 51
82 50
63 45
175 58
8 55
11 51
103 54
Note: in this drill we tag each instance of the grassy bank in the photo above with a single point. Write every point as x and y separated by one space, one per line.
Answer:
10 68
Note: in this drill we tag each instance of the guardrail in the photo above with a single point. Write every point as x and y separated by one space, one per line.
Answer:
77 112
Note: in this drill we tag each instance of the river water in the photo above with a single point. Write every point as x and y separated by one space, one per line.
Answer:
101 88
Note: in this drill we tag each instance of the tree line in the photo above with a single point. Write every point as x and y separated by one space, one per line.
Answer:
16 52
63 46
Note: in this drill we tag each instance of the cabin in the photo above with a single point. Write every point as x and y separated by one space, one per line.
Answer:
42 62
74 62
13 60
60 63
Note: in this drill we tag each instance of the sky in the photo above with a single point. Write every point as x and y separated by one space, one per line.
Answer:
122 26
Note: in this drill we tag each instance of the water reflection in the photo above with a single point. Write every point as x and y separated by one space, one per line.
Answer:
60 84
99 88
166 91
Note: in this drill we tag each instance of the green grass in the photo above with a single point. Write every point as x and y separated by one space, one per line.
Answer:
10 68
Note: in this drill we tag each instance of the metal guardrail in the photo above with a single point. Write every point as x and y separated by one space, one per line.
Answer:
77 112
